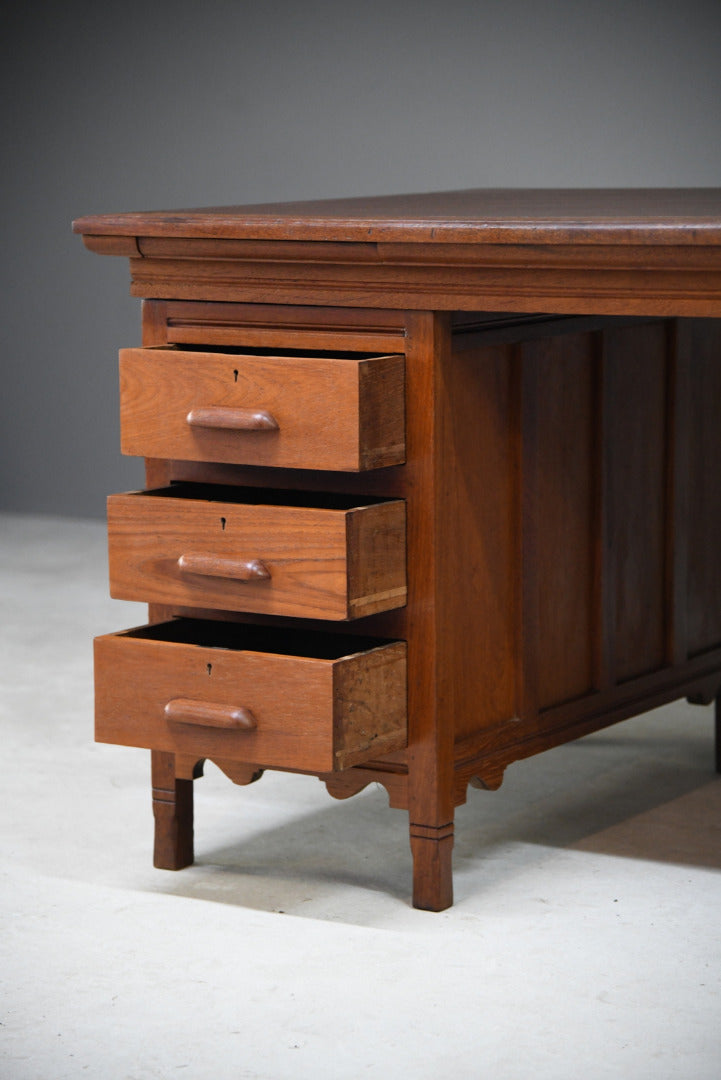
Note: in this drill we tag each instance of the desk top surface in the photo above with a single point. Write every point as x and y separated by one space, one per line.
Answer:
608 216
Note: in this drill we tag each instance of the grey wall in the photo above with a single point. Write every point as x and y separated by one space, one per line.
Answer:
152 105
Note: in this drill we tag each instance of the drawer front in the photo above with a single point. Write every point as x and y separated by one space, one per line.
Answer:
302 560
226 694
295 411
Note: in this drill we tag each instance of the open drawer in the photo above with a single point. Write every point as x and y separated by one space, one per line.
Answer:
266 696
305 554
337 412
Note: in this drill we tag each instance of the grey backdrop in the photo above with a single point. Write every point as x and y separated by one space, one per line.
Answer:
144 106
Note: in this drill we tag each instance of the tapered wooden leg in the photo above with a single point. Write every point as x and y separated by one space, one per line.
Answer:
173 813
432 866
718 734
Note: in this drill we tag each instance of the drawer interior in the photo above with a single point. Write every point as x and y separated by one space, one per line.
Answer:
215 634
267 351
251 496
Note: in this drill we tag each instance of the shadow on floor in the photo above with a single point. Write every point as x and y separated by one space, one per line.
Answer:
646 791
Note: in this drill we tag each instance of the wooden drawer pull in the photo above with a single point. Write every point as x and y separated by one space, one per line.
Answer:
213 566
218 416
209 714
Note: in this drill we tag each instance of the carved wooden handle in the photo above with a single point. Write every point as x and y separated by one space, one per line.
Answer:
214 566
219 416
209 714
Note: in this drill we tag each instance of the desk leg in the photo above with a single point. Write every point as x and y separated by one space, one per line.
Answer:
432 867
173 813
441 441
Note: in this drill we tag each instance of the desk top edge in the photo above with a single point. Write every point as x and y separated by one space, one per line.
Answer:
640 216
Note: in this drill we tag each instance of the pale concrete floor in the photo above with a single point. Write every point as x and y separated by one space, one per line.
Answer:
584 941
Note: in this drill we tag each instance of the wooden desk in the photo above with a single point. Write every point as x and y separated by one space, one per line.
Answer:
435 487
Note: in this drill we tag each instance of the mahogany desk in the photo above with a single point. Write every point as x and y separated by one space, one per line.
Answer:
433 485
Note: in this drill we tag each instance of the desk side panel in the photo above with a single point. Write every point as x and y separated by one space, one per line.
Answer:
593 552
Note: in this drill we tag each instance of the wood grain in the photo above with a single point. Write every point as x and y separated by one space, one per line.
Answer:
173 814
702 344
312 713
327 413
231 418
613 252
557 470
475 216
606 281
209 714
636 359
274 326
316 561
559 374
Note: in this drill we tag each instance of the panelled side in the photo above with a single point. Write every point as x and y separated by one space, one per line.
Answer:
700 346
590 550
